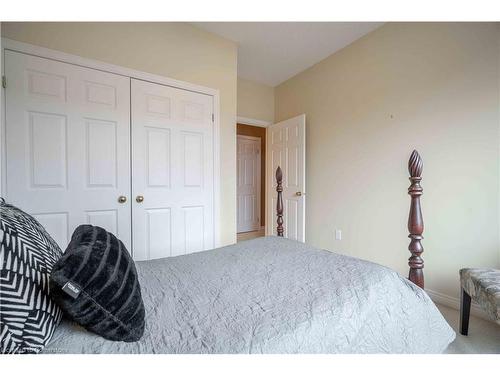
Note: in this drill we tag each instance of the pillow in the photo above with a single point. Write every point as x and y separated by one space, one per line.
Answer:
95 283
28 316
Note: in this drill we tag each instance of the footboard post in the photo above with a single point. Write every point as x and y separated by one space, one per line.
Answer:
279 201
415 221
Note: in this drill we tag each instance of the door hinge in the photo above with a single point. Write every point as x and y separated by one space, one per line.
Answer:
4 82
213 117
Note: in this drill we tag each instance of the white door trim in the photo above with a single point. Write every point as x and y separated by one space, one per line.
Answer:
259 191
249 137
252 122
30 49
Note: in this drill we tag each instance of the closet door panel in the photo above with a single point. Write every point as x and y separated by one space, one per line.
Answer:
172 170
68 145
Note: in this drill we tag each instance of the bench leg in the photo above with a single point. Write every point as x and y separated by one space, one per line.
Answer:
465 301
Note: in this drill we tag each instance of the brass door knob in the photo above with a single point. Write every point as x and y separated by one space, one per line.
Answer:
139 199
298 194
122 199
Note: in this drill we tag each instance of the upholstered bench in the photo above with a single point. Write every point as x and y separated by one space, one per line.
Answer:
482 285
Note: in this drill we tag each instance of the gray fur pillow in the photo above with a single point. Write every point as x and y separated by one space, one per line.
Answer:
96 284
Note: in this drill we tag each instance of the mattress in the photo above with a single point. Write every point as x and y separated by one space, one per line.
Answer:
273 295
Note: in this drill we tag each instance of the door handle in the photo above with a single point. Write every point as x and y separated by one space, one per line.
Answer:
122 199
299 194
139 199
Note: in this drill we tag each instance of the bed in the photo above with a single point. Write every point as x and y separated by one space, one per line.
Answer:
274 295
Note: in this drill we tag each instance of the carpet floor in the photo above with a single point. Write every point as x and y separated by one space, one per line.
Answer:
483 338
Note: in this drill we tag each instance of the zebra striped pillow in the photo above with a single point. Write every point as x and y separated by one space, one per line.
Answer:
28 316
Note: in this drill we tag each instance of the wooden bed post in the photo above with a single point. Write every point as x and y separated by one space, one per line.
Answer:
279 201
415 220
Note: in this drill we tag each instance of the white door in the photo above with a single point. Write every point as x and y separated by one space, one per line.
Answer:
172 171
248 189
67 145
286 147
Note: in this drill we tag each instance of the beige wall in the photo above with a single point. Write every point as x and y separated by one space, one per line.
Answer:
175 50
433 87
255 100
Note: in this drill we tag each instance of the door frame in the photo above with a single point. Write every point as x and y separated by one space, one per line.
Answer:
259 192
252 122
30 49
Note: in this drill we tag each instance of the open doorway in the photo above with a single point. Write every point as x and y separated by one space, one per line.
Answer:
251 161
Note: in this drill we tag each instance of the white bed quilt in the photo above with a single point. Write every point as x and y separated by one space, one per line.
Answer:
273 295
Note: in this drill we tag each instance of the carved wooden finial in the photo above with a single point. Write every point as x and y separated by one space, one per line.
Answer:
415 164
279 202
415 220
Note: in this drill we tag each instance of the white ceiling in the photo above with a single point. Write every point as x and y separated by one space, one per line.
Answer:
272 52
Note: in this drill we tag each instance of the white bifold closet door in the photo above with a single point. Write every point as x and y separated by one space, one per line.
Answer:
172 171
67 145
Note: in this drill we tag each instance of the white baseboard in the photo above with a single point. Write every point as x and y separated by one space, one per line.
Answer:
454 303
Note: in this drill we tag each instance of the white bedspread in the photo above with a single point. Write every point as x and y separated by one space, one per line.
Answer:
272 295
